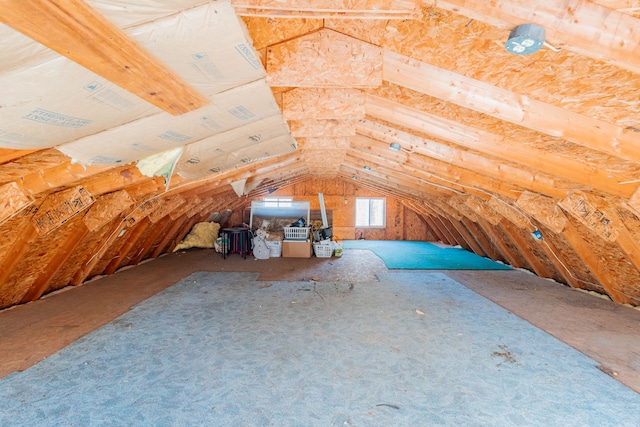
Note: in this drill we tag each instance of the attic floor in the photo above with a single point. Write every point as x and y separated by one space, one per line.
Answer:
606 332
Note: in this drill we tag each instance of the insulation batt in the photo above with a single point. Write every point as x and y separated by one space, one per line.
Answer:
202 235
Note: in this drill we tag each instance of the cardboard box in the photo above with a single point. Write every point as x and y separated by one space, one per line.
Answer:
296 249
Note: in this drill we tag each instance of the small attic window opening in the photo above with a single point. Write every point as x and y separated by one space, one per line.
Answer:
278 202
370 212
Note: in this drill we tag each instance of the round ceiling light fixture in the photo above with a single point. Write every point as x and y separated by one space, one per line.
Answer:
525 39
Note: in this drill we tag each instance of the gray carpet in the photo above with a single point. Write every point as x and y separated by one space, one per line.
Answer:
224 349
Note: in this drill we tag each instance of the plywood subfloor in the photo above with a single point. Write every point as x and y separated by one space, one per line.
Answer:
606 332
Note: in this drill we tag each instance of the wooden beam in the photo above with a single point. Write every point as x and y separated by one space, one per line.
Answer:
96 254
512 107
326 9
75 30
482 167
592 261
7 154
524 247
559 261
132 235
435 172
471 242
498 240
496 145
581 26
488 246
62 253
18 248
435 226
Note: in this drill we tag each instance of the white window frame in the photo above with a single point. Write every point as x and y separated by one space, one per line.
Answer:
277 202
384 213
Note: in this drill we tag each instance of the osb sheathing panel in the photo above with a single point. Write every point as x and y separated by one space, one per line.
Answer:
11 230
162 227
269 31
415 227
598 218
299 104
90 244
106 208
612 262
458 203
506 240
596 89
330 128
137 248
13 198
517 134
543 209
509 211
111 253
367 30
324 59
32 264
32 163
481 207
535 247
573 264
324 143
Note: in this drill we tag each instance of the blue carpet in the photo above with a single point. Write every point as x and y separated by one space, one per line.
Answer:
414 255
221 349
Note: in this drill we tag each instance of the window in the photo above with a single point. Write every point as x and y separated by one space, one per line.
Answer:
278 202
370 212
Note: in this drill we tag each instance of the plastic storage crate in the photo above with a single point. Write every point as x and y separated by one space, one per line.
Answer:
296 233
323 250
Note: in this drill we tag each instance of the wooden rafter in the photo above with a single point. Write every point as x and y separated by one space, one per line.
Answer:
518 109
465 159
495 145
74 30
360 9
582 26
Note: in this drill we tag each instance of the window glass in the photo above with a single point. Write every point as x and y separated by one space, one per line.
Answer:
278 202
370 212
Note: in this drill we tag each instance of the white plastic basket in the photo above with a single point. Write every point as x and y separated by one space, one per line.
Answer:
296 233
323 250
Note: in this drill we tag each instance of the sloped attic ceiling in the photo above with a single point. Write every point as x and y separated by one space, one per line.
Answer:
117 112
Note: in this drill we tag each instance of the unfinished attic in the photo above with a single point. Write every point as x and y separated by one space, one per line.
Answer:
508 131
